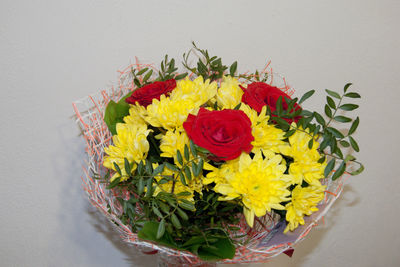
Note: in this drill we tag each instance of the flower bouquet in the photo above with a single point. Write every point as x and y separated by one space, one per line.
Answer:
212 165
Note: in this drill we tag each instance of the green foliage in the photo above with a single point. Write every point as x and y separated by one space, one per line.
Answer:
210 67
115 113
317 127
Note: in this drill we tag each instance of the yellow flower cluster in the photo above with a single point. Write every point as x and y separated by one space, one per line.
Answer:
305 166
130 143
266 135
304 202
170 112
229 94
271 177
259 182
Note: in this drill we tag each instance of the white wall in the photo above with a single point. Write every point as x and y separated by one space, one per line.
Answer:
54 52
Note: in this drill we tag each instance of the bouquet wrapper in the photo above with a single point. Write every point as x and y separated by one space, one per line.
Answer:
258 244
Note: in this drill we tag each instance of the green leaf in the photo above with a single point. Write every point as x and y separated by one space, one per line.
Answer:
187 173
222 249
181 76
140 186
159 169
330 101
352 95
179 157
115 113
359 170
117 168
339 171
338 152
342 119
344 143
142 71
171 167
306 96
237 106
149 232
187 205
348 107
194 240
201 67
127 166
140 168
149 167
279 108
319 118
289 133
324 143
329 167
282 123
147 76
193 148
195 169
305 113
156 211
164 207
349 158
346 87
200 165
233 68
182 214
310 143
137 82
149 186
354 144
354 126
186 152
335 132
161 229
328 111
182 177
175 221
202 150
332 93
184 194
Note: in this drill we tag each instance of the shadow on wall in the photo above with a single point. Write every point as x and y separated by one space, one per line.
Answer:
132 255
79 222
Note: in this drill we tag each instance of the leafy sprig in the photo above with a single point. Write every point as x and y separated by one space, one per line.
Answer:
210 67
322 129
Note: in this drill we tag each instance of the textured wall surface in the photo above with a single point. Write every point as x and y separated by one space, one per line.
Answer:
54 52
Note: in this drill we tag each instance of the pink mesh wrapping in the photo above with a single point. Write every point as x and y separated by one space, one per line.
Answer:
89 116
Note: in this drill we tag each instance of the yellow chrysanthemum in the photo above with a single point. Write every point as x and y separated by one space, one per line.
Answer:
134 117
171 142
260 183
229 95
305 166
304 202
266 136
170 112
217 175
130 143
193 185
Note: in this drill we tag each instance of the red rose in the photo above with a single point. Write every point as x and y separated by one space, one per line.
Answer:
225 133
259 94
147 93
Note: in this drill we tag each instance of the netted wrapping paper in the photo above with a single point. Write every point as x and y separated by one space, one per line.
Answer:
258 244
